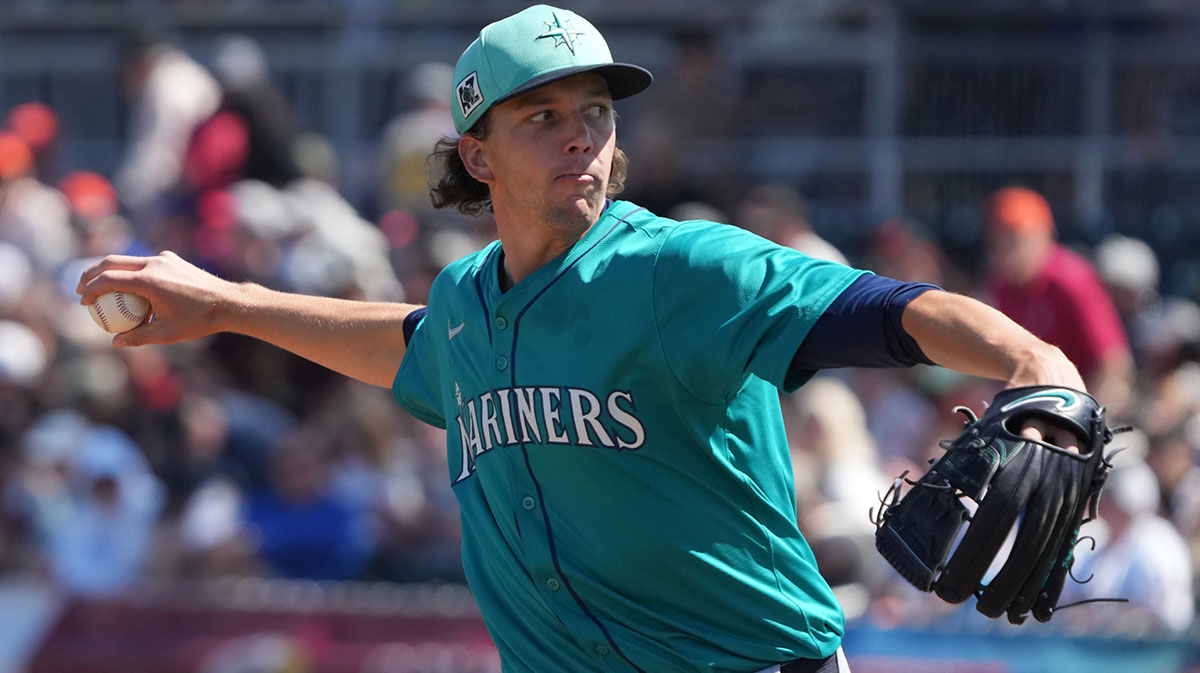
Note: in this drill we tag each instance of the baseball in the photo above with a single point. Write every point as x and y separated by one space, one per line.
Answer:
119 312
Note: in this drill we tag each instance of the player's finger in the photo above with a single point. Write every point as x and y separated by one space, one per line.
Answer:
126 280
109 263
1041 431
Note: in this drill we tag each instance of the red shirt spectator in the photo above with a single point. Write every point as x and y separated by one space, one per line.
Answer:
1066 304
1054 292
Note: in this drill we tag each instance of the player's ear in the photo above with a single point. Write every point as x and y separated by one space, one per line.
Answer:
473 153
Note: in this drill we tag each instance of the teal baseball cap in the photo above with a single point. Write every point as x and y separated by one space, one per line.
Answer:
535 46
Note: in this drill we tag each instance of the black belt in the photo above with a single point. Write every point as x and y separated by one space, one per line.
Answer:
826 665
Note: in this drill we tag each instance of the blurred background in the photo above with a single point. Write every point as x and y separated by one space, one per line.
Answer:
222 506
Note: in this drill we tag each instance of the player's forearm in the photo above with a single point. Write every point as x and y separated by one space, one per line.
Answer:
968 336
362 340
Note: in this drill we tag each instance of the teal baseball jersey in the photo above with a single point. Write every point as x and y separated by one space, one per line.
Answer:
616 446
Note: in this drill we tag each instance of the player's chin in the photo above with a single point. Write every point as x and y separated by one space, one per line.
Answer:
587 202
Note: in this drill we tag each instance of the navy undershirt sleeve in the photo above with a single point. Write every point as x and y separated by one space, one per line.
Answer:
862 328
412 320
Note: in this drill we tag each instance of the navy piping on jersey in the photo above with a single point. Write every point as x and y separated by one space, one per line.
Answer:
862 328
482 300
529 467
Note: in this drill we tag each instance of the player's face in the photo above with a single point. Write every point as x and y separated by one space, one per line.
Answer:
548 153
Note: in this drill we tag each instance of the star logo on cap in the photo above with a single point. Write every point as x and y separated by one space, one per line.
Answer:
562 34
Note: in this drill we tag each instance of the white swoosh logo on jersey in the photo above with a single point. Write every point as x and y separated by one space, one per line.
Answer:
455 330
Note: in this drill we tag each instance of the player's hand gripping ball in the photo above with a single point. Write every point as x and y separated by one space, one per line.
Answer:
118 311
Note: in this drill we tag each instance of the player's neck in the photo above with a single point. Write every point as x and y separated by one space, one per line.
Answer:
528 246
520 261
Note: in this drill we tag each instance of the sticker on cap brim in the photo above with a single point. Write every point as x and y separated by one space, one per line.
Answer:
469 95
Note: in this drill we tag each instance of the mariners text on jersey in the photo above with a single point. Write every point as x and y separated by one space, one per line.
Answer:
545 415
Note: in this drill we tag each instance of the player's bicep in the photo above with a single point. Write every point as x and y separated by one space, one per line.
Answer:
862 328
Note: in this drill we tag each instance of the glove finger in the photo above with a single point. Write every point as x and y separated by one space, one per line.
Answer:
1032 552
1056 553
997 512
1047 598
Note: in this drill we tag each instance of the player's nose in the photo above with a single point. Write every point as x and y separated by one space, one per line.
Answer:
579 134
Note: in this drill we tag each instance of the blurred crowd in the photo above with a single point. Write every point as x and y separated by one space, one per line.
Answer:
227 457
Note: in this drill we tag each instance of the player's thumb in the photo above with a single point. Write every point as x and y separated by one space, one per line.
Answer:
148 332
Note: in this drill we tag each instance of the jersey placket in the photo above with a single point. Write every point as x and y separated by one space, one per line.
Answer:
529 505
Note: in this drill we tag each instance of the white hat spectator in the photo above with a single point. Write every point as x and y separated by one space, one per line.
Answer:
1127 262
16 275
23 355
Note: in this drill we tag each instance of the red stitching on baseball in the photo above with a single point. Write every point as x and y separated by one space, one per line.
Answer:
123 309
100 314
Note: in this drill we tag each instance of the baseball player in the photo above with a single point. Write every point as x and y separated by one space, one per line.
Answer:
608 379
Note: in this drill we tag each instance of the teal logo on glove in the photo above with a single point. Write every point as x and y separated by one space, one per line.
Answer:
1064 400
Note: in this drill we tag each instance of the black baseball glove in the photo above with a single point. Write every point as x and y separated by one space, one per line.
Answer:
1046 491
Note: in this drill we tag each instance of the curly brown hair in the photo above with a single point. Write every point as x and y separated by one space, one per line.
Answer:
453 187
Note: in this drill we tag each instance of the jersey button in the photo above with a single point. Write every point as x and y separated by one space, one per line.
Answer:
501 322
553 584
502 362
601 650
528 502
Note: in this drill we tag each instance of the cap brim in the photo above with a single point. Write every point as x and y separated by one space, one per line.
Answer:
624 79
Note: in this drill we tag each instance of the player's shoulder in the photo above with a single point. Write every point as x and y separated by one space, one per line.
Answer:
649 223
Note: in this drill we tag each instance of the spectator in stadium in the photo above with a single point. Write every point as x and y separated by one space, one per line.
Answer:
1130 270
96 215
33 215
666 127
252 133
91 501
1172 456
779 212
1169 391
169 94
37 124
410 137
1138 556
838 477
1055 292
299 528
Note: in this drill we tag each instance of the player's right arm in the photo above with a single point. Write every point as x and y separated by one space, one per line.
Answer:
362 340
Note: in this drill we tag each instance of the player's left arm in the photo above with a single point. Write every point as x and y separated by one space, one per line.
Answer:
881 322
968 336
